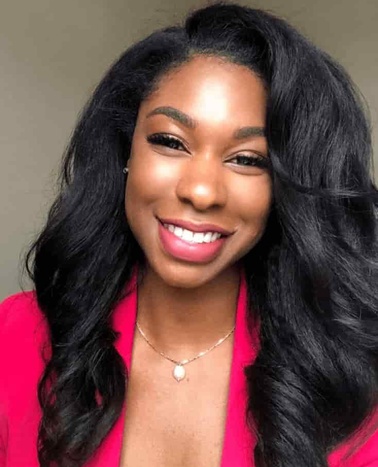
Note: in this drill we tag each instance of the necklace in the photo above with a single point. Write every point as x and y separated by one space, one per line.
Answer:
179 371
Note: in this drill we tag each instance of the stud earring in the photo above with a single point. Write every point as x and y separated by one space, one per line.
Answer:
125 170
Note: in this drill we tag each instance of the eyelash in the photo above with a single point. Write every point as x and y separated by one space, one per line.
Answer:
169 141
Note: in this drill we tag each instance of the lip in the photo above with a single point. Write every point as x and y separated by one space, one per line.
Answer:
187 251
196 227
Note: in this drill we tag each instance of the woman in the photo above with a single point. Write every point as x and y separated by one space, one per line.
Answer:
205 284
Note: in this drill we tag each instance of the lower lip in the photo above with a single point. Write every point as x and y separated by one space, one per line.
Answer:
193 252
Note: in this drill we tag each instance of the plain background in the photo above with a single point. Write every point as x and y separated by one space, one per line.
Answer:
53 53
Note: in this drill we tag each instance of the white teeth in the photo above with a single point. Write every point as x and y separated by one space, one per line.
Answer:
214 237
198 237
207 238
193 237
187 235
177 231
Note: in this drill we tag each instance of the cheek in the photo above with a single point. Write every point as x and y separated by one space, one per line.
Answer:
152 178
253 200
149 178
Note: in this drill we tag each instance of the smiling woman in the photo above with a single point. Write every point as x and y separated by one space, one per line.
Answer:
200 157
206 282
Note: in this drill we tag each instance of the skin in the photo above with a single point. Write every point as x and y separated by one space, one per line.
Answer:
185 307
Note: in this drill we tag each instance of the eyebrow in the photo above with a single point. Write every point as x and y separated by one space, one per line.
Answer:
189 122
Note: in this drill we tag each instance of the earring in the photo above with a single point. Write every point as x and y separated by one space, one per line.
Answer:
125 170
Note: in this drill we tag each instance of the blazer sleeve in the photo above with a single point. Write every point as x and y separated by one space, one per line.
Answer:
18 321
363 453
3 447
4 311
367 456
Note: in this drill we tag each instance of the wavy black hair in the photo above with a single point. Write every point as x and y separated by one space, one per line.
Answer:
312 278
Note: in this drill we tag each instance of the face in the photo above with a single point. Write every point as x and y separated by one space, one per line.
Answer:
198 191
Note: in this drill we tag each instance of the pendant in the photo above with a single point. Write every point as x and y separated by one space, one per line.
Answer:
179 373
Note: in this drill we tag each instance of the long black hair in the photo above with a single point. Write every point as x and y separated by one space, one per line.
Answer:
312 278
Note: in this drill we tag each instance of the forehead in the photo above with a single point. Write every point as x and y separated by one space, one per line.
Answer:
211 87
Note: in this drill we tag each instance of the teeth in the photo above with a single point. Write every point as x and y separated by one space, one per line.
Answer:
193 237
198 237
207 238
187 235
214 237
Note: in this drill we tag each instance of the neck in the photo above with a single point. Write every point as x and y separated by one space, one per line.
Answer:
183 321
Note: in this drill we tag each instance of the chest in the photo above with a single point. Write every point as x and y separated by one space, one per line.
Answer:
170 424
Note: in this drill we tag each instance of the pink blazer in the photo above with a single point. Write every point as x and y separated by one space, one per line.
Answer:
23 332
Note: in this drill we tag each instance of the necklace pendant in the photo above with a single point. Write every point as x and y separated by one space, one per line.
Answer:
179 373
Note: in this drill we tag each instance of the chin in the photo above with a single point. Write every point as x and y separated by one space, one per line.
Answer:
185 276
189 275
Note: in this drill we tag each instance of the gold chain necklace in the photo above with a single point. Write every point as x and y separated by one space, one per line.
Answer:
179 371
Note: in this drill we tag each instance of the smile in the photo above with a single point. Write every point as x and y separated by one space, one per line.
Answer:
186 245
192 237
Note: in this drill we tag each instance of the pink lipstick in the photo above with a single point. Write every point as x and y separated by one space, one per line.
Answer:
191 251
196 227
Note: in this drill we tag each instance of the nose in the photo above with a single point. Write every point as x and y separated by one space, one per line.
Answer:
202 183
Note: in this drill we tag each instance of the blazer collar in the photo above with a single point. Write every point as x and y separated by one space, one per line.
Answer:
239 441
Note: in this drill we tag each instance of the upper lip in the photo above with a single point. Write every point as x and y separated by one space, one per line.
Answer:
195 227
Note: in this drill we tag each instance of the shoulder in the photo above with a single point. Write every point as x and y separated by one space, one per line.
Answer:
21 301
18 313
22 330
361 450
23 339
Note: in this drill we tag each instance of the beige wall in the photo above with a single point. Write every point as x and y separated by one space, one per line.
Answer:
52 54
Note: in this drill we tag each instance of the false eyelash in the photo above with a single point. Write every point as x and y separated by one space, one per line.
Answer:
168 141
256 161
164 140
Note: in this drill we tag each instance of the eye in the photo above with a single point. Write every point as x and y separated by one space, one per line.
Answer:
241 160
169 141
248 160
